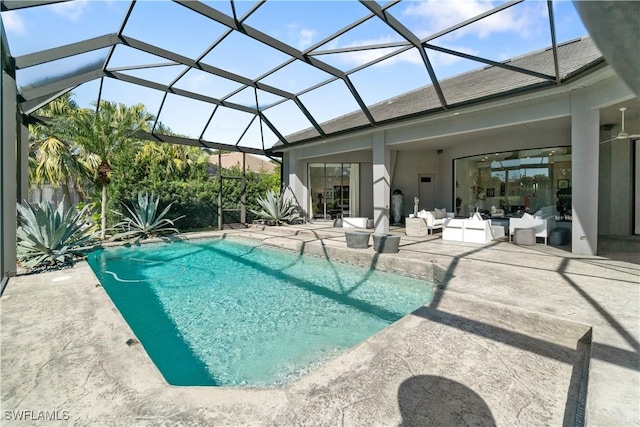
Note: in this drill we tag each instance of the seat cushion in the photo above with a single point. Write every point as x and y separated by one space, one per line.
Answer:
524 236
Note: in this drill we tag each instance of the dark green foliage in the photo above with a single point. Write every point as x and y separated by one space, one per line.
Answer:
178 174
258 184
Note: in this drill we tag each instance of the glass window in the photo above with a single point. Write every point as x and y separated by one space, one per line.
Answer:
534 181
333 190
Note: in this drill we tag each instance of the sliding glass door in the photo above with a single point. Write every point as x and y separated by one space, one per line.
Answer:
333 190
516 182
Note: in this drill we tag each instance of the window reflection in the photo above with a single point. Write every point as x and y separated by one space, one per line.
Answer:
516 182
333 190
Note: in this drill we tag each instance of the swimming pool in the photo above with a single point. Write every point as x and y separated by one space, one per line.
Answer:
219 312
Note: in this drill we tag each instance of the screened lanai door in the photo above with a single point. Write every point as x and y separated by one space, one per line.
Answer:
334 190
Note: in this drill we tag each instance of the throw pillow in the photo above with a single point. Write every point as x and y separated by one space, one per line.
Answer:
440 213
527 216
477 216
422 214
548 211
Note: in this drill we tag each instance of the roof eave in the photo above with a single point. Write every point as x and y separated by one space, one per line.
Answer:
537 87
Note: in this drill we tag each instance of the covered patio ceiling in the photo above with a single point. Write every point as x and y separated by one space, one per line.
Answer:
244 75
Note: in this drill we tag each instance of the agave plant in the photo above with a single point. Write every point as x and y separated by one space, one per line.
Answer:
144 221
51 237
276 209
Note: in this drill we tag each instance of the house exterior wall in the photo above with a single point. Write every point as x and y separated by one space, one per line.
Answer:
366 190
409 165
504 125
616 175
585 125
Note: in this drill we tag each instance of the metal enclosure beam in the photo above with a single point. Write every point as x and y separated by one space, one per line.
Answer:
61 85
403 31
22 159
53 54
255 34
23 4
554 44
180 59
490 62
172 139
220 201
243 191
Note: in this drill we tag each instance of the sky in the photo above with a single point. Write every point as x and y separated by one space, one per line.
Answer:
513 32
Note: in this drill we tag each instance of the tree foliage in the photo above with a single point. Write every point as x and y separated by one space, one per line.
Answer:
105 132
179 174
54 158
123 166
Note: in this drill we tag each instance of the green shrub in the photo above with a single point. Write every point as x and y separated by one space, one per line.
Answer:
50 237
276 209
144 221
194 194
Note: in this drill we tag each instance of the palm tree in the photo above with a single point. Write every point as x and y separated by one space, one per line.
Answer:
54 159
104 133
169 160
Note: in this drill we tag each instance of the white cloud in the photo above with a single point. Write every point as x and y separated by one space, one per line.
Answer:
197 82
436 15
306 38
72 10
444 60
301 38
13 22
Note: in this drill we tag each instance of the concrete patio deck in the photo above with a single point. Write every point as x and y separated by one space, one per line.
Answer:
514 336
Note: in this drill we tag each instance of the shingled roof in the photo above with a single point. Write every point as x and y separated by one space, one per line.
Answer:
475 86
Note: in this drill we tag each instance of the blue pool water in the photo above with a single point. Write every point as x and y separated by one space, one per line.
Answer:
232 313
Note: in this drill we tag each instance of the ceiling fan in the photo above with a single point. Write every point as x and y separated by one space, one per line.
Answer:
622 134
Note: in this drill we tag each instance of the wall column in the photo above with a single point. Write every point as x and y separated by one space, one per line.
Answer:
585 131
8 187
381 183
23 165
294 180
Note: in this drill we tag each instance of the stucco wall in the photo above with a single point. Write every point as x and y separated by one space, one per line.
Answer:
366 190
408 167
615 188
